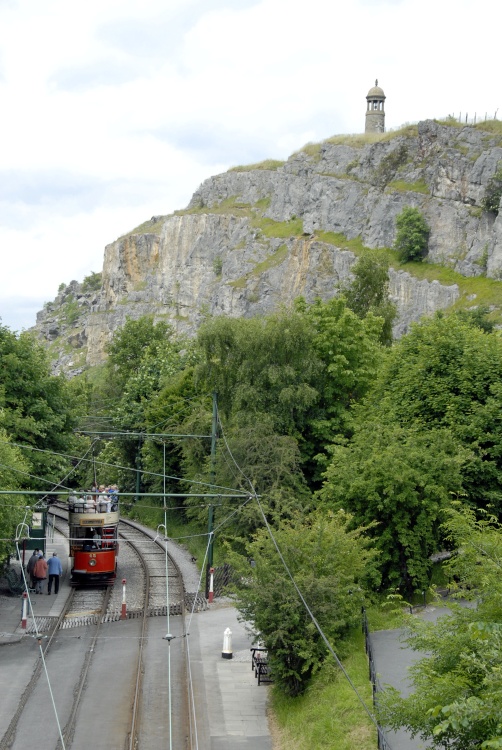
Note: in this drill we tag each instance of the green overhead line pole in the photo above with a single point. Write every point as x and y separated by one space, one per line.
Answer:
138 471
214 427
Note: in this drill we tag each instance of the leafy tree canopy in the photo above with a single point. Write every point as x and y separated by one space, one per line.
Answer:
369 291
401 479
412 234
446 373
13 470
457 689
329 564
36 407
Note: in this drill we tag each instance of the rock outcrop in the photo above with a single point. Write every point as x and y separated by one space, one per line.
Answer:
253 238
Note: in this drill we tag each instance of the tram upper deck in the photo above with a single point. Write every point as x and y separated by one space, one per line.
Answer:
93 510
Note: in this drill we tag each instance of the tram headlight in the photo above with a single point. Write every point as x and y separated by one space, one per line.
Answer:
92 562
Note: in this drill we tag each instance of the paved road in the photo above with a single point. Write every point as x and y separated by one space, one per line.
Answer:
392 661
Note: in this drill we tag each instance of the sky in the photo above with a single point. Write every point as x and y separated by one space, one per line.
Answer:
113 111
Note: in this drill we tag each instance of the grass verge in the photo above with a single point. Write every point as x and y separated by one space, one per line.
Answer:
329 714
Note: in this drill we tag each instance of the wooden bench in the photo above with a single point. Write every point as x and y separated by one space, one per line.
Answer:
259 662
262 672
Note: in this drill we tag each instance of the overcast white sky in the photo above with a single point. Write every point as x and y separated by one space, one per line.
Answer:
112 111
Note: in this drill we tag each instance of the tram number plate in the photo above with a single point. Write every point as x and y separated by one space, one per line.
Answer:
92 521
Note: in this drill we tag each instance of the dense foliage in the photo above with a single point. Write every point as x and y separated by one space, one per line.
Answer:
336 432
369 291
457 688
37 415
429 430
412 234
493 193
36 408
330 566
13 469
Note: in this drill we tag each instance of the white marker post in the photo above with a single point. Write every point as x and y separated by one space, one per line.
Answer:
24 615
211 584
124 609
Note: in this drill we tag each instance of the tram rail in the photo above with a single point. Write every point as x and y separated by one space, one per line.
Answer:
147 597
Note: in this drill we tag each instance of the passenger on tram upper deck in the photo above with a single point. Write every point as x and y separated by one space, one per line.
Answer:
90 504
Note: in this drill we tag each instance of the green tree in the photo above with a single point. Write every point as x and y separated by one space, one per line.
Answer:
261 365
330 565
36 408
302 368
92 283
13 470
369 291
130 344
401 479
456 701
350 354
446 373
412 234
493 193
143 357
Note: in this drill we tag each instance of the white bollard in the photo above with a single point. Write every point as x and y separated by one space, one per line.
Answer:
227 644
123 613
24 614
211 585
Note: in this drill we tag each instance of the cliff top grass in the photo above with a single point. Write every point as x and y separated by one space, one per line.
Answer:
359 140
152 226
269 164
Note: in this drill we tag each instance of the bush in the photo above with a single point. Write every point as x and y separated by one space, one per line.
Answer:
493 193
92 283
412 235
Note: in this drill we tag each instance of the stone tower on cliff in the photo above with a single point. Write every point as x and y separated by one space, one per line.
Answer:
375 114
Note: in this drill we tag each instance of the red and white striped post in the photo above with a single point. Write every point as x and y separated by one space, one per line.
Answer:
211 584
24 615
124 608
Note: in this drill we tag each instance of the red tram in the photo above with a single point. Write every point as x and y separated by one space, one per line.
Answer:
93 521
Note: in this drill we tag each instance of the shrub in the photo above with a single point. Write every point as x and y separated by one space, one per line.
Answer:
92 283
412 236
493 193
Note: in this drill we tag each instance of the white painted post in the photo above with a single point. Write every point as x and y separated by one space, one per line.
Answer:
24 615
123 613
227 644
211 584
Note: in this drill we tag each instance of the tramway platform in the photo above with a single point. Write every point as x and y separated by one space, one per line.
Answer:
40 605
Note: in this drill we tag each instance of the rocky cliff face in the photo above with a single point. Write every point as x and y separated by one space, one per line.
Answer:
254 238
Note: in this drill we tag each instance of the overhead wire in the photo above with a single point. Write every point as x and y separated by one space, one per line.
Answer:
118 466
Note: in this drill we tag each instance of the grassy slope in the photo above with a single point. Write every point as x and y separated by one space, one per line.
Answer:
329 714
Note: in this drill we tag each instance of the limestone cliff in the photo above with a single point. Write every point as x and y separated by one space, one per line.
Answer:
253 238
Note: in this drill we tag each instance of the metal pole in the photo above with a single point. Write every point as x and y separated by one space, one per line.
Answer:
169 690
138 471
214 426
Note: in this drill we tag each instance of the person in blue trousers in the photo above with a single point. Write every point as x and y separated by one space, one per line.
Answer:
55 571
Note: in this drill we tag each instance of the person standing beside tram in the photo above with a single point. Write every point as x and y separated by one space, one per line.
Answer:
55 571
40 573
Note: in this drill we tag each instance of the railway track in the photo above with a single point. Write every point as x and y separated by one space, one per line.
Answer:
154 590
11 738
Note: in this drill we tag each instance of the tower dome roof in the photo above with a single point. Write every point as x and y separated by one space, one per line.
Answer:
375 92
